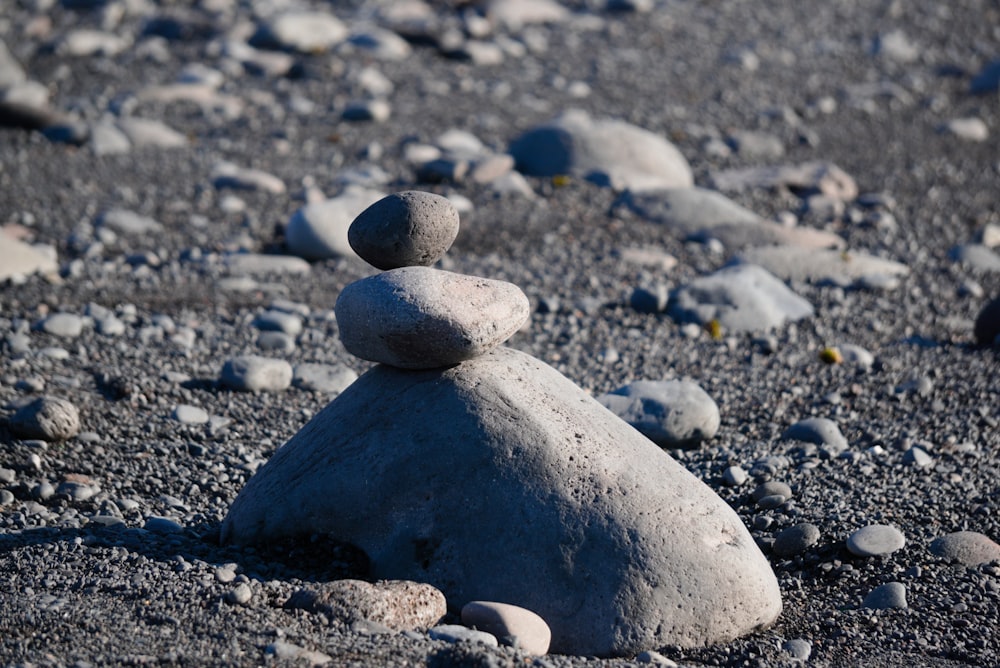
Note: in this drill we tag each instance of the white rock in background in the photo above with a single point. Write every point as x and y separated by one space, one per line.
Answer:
817 265
318 231
252 373
671 413
303 31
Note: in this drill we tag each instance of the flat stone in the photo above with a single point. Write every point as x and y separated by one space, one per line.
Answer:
817 265
46 418
19 259
420 318
561 487
976 256
608 152
229 175
511 624
969 548
327 378
406 229
987 325
303 31
970 129
807 178
821 431
456 633
741 298
186 414
875 540
397 604
885 597
279 321
253 373
63 325
671 413
260 263
319 230
149 132
130 223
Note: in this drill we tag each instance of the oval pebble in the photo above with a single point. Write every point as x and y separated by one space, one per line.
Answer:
457 633
771 488
46 418
406 229
821 431
422 318
887 596
252 373
512 624
63 325
795 539
969 548
875 540
186 414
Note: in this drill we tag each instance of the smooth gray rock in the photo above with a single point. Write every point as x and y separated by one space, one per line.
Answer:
260 263
671 413
608 152
20 259
319 230
420 318
46 418
969 548
875 540
806 178
63 325
457 633
499 479
887 596
818 265
143 132
976 256
253 373
398 604
278 321
406 229
512 625
821 431
229 175
795 539
187 414
969 129
742 298
130 223
303 31
328 378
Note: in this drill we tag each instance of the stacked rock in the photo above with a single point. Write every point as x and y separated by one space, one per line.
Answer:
413 316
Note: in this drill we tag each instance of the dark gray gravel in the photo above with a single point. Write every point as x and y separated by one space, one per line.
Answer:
108 541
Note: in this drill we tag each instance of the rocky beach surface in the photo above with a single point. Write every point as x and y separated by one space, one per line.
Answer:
648 305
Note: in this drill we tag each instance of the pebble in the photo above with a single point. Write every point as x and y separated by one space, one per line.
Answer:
259 263
241 594
976 256
887 596
741 298
228 175
734 476
671 413
63 325
308 32
162 525
145 132
822 265
455 633
421 318
771 488
795 539
46 418
319 230
969 548
186 414
856 355
875 540
327 378
918 457
511 624
970 129
18 259
821 431
276 342
411 228
799 649
253 373
279 321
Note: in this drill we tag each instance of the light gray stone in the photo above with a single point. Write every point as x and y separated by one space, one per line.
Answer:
875 540
806 178
969 548
130 223
63 325
795 539
253 373
609 152
742 298
671 413
970 129
327 378
817 265
455 633
303 31
887 596
46 418
229 175
512 625
987 80
559 488
85 42
976 256
11 71
18 259
397 604
406 229
821 431
260 263
419 317
144 132
319 230
187 414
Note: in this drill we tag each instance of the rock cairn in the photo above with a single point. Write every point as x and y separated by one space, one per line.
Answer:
481 471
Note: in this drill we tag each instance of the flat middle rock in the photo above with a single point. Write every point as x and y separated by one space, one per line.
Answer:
499 479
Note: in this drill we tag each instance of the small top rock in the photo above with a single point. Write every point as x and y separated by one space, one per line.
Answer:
406 229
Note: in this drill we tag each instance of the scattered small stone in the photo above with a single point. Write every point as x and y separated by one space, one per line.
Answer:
405 229
671 413
888 596
875 540
63 325
771 488
46 418
276 342
511 624
256 374
734 476
795 539
241 594
327 378
969 548
969 129
799 649
186 414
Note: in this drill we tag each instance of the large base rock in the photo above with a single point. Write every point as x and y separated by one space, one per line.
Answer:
499 479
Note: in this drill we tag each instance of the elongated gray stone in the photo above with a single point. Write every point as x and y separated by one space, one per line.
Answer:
499 479
420 318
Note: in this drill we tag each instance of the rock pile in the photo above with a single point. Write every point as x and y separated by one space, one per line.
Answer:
486 473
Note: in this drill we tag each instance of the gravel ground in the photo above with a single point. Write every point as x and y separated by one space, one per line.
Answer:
77 593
